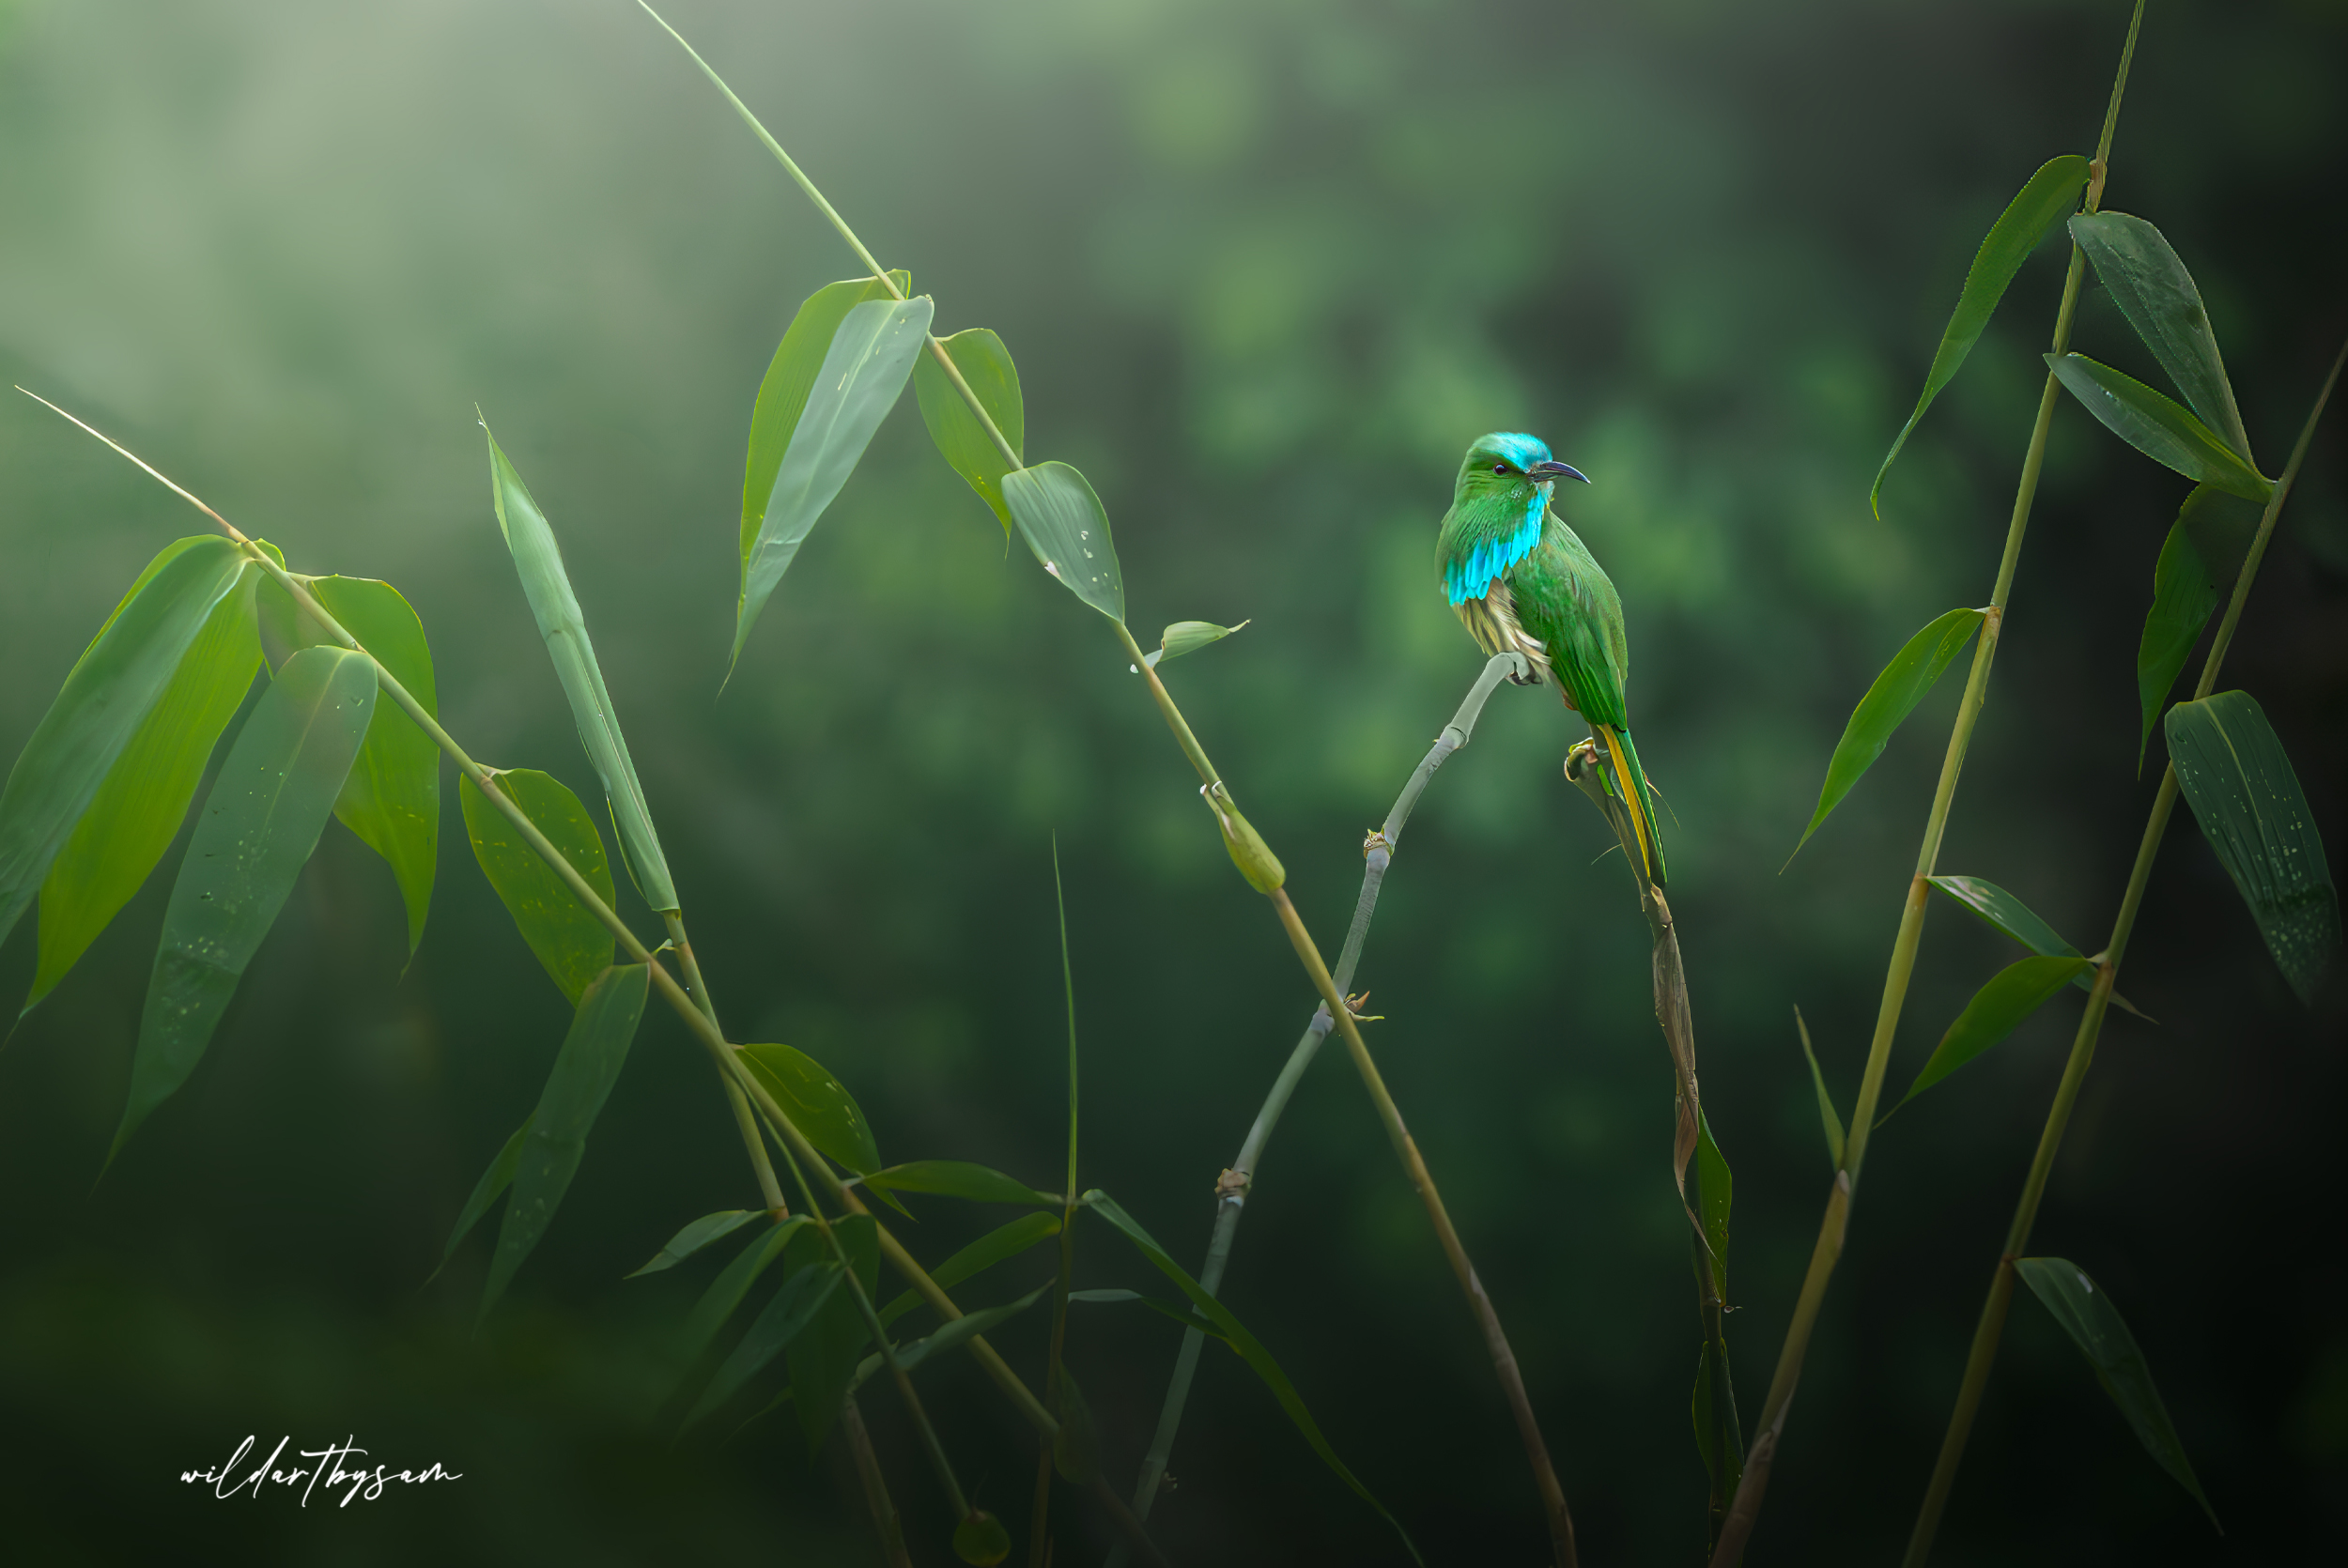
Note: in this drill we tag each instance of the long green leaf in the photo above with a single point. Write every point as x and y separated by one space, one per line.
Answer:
959 1178
819 1104
585 1069
732 1283
790 376
2152 290
392 799
539 560
2199 561
1250 1350
139 809
1889 701
574 946
1713 1411
2095 1326
694 1237
2232 771
2004 913
824 1355
1065 524
105 699
2040 205
962 440
772 1332
254 835
486 1193
1827 1120
961 1330
1717 1191
863 371
1997 1009
997 1246
2158 426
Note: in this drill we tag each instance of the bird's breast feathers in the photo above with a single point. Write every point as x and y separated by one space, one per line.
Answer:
1490 547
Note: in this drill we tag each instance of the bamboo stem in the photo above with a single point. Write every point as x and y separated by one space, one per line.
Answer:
885 1521
1990 1328
1829 1248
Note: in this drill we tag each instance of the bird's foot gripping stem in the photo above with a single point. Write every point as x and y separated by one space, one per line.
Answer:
1578 760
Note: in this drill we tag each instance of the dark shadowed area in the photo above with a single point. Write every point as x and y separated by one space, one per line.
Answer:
1266 270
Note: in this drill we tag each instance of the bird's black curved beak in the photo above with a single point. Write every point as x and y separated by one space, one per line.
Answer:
1541 472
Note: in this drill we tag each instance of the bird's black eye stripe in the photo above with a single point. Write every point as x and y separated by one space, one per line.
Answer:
1500 468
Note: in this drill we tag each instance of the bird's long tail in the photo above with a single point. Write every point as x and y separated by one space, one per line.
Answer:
1632 780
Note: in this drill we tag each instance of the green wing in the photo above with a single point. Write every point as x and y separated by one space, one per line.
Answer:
1566 599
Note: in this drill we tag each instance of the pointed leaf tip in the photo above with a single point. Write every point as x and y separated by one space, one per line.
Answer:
1912 672
986 369
2158 426
1065 524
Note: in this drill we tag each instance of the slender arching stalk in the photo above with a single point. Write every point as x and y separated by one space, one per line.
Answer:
1829 1248
1991 1326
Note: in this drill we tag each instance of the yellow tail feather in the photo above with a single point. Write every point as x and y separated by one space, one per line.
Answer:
1630 797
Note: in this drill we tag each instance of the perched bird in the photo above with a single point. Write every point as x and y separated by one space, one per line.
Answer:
1522 582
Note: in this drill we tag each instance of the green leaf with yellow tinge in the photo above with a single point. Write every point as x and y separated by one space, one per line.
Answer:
962 440
818 1104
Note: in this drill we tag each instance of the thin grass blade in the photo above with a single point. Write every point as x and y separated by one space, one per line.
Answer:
2233 771
573 944
1894 695
2152 290
709 1228
256 830
1828 1119
1067 529
962 440
1997 1009
2158 426
2041 203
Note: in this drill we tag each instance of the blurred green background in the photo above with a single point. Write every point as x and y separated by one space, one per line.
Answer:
1266 270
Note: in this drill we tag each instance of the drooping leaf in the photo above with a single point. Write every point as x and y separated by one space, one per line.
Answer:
2158 426
862 372
817 1103
2150 285
732 1283
2232 771
253 835
790 376
997 1246
2095 1326
539 560
2199 561
585 1069
1832 1123
1175 1310
136 812
1717 1189
961 1330
1894 695
574 946
2042 201
1250 1350
803 1295
392 799
962 440
2004 913
959 1178
1997 1009
824 1355
693 1237
493 1183
1186 636
106 696
1065 524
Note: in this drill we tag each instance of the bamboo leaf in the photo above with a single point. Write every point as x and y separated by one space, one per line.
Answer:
693 1237
2156 293
862 372
824 1355
2095 1326
732 1283
2158 426
1065 524
1250 1350
1716 1191
960 1331
2004 913
539 560
1889 701
962 440
1077 1446
1713 1409
1827 1119
255 834
2199 561
790 376
785 1318
1997 1009
997 1246
392 799
2233 771
493 1183
958 1178
138 810
1187 637
2041 203
818 1104
585 1069
573 944
105 699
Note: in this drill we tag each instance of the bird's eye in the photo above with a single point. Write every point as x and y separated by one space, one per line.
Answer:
1500 468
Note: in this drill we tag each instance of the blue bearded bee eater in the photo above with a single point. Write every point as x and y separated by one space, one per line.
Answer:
1522 582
